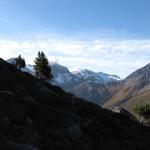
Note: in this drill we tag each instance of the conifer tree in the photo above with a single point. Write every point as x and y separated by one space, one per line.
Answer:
42 68
20 62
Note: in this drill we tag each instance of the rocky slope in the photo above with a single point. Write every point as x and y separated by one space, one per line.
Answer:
36 115
131 91
84 83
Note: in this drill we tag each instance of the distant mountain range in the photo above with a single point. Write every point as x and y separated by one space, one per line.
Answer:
103 89
84 83
92 86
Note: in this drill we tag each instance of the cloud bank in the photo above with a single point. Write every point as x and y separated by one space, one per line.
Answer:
113 56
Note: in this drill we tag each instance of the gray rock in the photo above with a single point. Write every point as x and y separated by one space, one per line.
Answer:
5 124
21 146
6 95
29 98
75 132
27 147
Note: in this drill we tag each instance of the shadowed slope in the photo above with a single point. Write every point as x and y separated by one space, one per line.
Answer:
35 115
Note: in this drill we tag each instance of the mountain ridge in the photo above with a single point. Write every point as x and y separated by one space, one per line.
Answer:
85 83
135 89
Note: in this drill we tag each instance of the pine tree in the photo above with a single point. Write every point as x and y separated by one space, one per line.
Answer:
42 68
20 62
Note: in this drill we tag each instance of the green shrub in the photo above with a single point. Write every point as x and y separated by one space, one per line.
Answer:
142 110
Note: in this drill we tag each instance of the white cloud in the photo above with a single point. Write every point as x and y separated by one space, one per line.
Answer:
111 56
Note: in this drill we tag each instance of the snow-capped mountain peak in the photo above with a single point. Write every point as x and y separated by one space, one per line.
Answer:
85 73
99 76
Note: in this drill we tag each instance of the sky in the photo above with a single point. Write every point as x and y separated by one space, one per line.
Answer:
112 36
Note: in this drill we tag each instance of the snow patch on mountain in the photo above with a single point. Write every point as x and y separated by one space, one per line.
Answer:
29 69
60 79
96 76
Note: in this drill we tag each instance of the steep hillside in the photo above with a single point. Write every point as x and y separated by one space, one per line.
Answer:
94 92
134 89
35 115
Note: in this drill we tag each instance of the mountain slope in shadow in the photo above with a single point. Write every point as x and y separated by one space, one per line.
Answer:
35 115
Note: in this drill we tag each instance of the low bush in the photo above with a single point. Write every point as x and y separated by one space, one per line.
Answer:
142 110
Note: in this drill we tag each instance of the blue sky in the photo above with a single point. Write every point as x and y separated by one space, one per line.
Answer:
25 16
102 35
